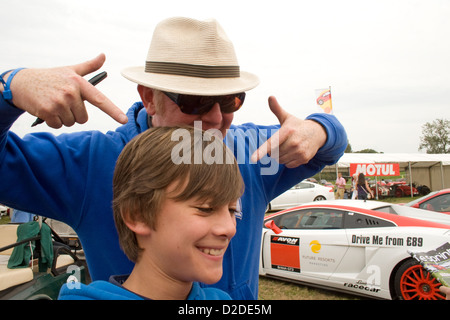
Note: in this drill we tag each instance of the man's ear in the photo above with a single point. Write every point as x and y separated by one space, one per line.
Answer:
147 96
138 227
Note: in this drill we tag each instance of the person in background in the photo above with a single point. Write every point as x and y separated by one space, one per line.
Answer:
363 189
340 186
354 186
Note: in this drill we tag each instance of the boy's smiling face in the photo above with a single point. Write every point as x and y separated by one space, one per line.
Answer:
190 239
175 220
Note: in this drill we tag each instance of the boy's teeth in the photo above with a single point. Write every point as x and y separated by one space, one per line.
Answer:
212 252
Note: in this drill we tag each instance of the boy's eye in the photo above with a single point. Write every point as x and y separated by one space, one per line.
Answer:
209 210
205 209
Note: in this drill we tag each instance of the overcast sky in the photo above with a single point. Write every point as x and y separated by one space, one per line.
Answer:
387 61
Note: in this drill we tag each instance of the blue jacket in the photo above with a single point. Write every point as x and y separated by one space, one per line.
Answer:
104 290
69 178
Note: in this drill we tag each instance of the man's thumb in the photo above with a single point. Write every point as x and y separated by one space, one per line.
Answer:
89 66
277 110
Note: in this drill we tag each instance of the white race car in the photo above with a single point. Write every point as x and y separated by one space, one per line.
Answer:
397 209
345 247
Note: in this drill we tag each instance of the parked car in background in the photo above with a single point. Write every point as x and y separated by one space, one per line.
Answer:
359 247
327 184
400 188
384 191
404 190
302 192
435 201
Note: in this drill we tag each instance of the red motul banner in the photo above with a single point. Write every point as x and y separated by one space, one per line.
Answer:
375 169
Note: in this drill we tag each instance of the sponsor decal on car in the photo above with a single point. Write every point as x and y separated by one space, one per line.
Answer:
362 285
388 241
316 259
285 253
315 246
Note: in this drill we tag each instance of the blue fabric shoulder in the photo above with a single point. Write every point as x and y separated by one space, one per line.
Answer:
104 290
97 290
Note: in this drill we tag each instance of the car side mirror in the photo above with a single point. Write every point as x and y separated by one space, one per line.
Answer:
416 205
272 226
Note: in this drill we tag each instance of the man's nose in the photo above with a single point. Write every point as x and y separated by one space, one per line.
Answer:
214 115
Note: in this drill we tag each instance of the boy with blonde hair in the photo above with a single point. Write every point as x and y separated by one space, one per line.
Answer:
174 220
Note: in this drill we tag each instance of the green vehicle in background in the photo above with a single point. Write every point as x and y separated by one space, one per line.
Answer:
45 263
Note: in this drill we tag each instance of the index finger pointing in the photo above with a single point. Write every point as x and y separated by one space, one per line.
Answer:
270 147
98 99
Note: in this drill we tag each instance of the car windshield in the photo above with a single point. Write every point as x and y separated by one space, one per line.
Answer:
387 209
303 185
310 219
410 204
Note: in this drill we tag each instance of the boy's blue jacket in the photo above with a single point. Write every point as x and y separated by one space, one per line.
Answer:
69 178
104 290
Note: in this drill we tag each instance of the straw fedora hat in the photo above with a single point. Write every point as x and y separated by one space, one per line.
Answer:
194 57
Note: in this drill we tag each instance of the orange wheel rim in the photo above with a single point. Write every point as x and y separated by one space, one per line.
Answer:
418 284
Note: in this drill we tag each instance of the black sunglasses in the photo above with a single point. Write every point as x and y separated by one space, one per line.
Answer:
190 104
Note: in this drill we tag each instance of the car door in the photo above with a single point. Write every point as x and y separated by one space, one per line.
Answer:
312 244
305 193
286 200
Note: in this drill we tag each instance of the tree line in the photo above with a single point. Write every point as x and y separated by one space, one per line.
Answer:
435 138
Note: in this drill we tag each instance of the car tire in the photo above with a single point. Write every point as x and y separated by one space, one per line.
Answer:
413 282
319 198
399 193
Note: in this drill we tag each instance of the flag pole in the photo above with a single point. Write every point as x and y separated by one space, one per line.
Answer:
331 100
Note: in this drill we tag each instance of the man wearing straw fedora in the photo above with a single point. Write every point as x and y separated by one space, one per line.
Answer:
191 76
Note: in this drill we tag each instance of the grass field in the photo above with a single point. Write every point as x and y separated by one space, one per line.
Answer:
4 220
272 289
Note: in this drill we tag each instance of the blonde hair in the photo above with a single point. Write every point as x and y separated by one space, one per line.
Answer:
145 169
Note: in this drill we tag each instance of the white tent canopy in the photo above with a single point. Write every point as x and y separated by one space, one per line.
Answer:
432 170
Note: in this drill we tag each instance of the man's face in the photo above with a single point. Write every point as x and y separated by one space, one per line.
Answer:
165 112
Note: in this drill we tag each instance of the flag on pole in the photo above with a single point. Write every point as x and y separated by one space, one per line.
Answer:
323 100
